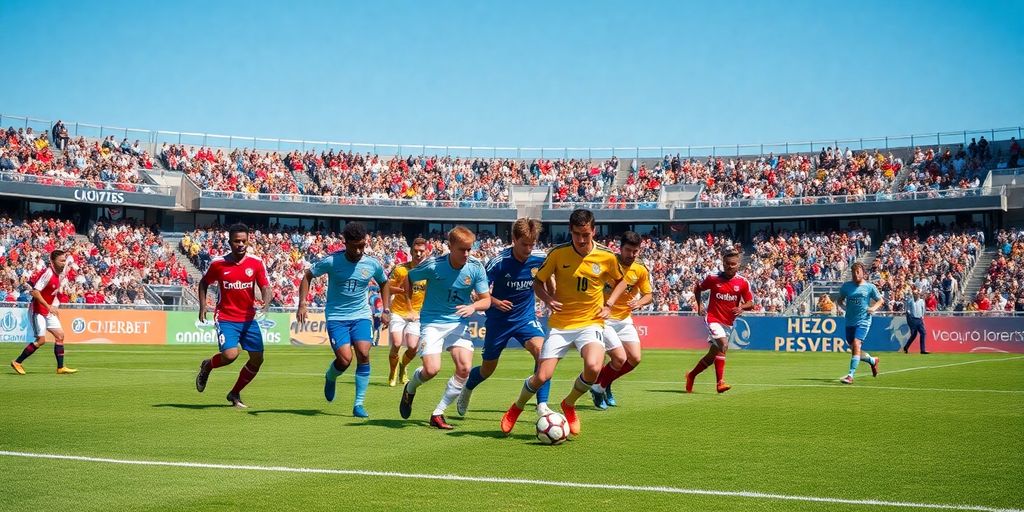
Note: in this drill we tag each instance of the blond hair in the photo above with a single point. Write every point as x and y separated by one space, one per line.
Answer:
461 234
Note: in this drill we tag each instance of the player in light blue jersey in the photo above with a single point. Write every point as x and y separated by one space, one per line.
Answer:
452 280
513 313
349 318
861 299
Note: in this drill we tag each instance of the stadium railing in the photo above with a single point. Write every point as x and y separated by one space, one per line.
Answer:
840 199
141 188
349 201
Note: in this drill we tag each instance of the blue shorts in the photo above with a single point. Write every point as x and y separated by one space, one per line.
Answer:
859 332
232 334
344 332
497 338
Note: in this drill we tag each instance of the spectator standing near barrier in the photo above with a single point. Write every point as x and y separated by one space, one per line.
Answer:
914 307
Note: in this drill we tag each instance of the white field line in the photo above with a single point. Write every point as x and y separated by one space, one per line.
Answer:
514 481
901 370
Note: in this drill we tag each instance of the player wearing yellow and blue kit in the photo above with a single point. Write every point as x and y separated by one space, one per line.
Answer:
452 280
513 314
861 299
349 318
406 303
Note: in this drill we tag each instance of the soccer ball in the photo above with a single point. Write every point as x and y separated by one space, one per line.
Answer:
552 428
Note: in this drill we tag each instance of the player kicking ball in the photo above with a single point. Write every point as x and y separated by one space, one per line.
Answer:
404 329
621 339
581 270
451 279
43 315
861 299
349 318
512 314
237 274
730 297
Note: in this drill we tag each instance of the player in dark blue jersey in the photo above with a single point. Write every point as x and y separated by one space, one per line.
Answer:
513 313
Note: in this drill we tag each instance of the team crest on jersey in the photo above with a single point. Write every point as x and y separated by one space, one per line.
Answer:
533 272
736 288
596 268
248 272
467 280
365 273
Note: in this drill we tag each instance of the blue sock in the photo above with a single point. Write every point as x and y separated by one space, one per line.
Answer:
544 391
475 378
362 382
854 361
864 356
333 371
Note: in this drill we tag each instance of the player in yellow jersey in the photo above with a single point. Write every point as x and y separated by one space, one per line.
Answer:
581 270
621 339
405 314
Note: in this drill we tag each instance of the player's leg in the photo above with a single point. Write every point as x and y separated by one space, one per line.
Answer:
251 340
630 339
412 345
362 353
38 325
591 348
431 346
58 350
228 339
494 344
545 369
396 335
861 334
533 346
462 356
340 335
616 358
715 332
721 347
854 343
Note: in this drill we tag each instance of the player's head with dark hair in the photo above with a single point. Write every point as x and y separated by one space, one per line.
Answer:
581 217
730 261
859 273
419 250
58 259
629 248
581 227
238 239
355 236
460 243
525 233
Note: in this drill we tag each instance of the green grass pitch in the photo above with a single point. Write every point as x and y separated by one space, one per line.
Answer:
946 430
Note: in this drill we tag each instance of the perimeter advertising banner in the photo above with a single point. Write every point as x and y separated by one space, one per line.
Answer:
14 326
117 326
184 328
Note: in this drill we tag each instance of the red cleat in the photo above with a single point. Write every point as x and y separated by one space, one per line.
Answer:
438 421
722 387
571 417
508 421
689 382
874 368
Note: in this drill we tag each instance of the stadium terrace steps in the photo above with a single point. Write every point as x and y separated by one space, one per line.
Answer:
623 172
174 244
868 258
976 279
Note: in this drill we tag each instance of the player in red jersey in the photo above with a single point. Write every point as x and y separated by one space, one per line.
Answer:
237 274
730 297
43 315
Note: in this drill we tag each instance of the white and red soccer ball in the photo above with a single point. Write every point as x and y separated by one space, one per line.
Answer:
552 428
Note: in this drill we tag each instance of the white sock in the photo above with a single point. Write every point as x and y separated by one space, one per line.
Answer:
598 388
451 392
414 381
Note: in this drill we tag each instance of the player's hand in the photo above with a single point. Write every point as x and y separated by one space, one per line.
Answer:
415 318
555 305
202 315
54 309
737 311
465 311
633 304
502 305
301 314
397 289
605 312
385 318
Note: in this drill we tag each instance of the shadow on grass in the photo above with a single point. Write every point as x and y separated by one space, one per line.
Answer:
490 434
295 412
675 391
193 406
388 423
818 379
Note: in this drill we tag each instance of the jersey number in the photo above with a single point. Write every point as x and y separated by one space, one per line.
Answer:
582 284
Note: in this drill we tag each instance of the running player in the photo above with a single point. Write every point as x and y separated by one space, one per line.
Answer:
861 299
621 339
581 270
236 274
349 319
447 305
730 297
512 314
404 329
43 314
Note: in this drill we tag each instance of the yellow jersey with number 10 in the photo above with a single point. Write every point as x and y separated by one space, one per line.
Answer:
638 284
579 283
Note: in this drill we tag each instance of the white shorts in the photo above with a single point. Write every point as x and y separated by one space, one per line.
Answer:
404 327
559 340
718 331
617 332
437 338
41 324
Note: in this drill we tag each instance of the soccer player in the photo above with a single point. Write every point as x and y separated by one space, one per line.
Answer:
237 274
451 279
730 297
512 314
581 270
404 329
349 319
621 339
43 315
861 299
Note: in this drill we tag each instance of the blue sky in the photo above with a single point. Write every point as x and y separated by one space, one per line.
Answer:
519 74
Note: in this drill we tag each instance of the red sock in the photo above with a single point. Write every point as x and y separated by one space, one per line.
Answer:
244 378
606 376
702 365
217 361
720 367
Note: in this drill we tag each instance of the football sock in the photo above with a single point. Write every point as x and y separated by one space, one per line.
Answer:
864 356
451 392
29 350
605 377
414 381
362 382
58 352
219 360
410 354
245 376
475 378
578 388
335 369
704 362
605 380
545 389
720 367
525 395
854 361
392 362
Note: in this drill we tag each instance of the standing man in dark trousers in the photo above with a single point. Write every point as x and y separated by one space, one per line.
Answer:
914 306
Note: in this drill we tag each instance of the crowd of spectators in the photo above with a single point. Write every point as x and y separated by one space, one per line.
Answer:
936 264
240 170
932 171
1003 289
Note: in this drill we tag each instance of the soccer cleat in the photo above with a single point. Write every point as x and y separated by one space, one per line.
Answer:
689 382
543 409
403 378
359 411
437 421
203 375
17 368
64 370
508 421
393 377
599 400
847 379
609 398
462 404
236 400
722 387
330 386
874 368
569 412
925 352
405 406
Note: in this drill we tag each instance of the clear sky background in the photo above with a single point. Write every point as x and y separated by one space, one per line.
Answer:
524 73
